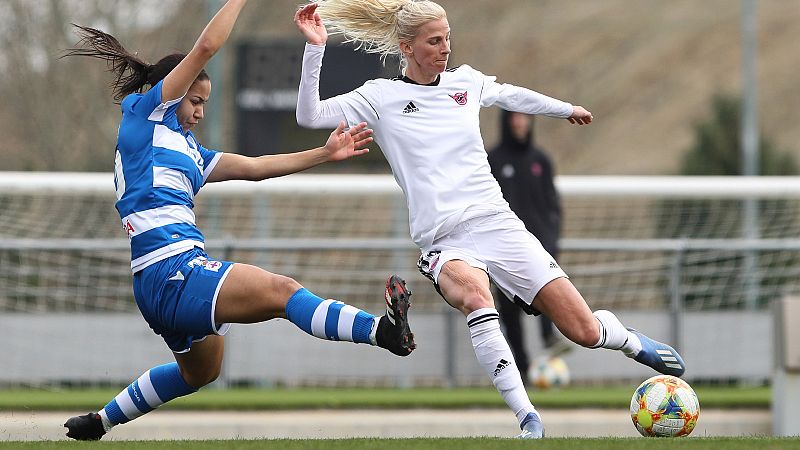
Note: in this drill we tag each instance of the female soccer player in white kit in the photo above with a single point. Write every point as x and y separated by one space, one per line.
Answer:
427 124
184 295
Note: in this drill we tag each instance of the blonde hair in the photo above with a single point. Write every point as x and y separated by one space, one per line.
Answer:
379 26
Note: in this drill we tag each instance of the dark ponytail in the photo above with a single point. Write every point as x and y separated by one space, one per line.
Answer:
132 73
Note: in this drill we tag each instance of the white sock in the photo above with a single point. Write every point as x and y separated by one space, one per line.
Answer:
494 355
107 425
614 335
374 331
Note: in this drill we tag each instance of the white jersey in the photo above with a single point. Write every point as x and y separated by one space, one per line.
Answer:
430 135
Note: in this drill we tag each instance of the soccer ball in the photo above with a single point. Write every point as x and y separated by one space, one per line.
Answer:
549 372
664 406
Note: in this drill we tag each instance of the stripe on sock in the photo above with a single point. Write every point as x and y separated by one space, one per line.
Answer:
148 391
344 328
153 388
114 413
126 406
602 340
138 399
329 319
482 319
332 321
319 319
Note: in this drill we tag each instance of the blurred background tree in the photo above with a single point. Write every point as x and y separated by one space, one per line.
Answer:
717 151
717 146
56 114
646 69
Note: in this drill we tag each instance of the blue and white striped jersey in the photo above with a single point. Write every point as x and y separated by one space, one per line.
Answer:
157 172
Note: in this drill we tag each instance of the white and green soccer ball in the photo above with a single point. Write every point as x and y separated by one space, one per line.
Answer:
548 373
664 406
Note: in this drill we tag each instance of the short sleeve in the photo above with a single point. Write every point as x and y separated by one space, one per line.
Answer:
210 160
490 89
149 104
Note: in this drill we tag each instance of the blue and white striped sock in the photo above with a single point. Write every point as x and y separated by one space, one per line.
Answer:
329 319
154 388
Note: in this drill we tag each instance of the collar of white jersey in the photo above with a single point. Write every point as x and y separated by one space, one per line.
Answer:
405 79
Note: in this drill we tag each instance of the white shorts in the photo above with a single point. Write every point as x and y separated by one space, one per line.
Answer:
500 245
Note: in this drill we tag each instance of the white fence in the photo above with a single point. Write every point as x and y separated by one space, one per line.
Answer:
680 255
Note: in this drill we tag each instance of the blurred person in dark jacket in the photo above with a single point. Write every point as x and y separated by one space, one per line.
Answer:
525 174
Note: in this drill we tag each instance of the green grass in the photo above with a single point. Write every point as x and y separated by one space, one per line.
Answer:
436 444
284 399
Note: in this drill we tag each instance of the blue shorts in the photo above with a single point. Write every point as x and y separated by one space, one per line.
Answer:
177 297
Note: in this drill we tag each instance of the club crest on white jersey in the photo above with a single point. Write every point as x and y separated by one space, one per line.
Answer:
459 97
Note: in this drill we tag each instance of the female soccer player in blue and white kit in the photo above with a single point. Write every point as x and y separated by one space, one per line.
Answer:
186 296
426 123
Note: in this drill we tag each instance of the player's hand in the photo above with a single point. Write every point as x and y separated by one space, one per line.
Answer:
310 24
580 116
343 144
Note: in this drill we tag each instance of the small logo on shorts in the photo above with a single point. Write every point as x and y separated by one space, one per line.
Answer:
553 265
178 277
205 263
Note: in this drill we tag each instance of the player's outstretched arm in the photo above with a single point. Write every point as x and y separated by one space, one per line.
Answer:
213 37
312 112
342 144
580 116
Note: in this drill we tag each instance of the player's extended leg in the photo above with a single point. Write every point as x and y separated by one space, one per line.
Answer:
466 288
191 371
250 295
565 306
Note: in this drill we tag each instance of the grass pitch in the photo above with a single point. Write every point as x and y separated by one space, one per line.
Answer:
287 399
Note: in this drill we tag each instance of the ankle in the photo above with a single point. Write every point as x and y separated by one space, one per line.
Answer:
107 425
373 333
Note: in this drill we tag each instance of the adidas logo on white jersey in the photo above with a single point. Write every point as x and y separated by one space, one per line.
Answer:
410 108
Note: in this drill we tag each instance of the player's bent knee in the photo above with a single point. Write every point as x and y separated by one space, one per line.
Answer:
588 335
291 285
284 287
475 301
203 378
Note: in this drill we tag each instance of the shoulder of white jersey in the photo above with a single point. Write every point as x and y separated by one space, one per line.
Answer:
462 68
464 71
